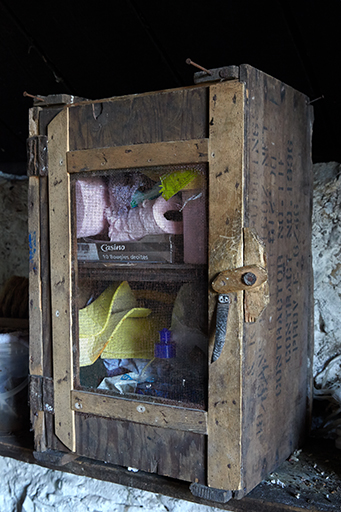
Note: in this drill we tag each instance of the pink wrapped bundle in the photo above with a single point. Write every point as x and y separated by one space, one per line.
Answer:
91 203
147 219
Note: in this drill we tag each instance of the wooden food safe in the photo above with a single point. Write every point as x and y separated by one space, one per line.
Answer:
186 211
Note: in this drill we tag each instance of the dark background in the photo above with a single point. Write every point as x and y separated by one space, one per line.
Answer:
102 49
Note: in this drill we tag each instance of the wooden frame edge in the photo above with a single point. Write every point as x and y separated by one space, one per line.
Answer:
60 239
138 155
147 413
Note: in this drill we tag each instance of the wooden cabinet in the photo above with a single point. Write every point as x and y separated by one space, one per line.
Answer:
187 210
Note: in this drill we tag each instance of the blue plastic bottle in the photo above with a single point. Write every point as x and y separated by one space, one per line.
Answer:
159 377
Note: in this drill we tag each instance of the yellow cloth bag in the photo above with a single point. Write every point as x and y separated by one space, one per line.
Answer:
114 327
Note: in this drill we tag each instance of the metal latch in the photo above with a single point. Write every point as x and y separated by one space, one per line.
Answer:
37 155
242 278
251 278
228 281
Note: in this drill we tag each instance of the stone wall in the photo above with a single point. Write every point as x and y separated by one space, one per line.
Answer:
13 223
326 245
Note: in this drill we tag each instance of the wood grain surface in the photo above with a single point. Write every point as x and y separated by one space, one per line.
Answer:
155 414
278 208
35 281
179 114
138 155
60 253
226 252
156 450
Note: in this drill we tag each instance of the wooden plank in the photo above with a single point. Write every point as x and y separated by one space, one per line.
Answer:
163 116
45 276
39 275
146 272
61 278
36 413
35 291
278 208
54 457
33 125
14 323
226 252
158 415
161 451
39 429
138 155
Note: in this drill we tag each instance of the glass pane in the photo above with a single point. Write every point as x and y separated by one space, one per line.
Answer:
140 288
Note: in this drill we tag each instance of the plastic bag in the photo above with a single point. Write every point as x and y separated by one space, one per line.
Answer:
14 410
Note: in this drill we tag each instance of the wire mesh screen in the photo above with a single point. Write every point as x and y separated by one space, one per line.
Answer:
140 291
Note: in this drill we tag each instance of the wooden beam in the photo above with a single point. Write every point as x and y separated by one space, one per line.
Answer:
60 239
224 460
35 291
157 415
138 155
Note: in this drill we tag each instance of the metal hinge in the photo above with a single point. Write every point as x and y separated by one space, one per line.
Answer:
54 100
41 394
54 457
37 156
217 495
210 493
217 75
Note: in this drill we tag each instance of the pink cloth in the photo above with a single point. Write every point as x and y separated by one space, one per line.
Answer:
146 219
106 209
91 203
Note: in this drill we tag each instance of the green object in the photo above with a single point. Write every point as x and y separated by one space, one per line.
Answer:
173 182
139 196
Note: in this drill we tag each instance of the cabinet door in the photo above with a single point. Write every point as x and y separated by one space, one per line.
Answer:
146 208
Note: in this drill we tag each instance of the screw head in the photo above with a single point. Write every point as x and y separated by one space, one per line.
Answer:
223 298
249 278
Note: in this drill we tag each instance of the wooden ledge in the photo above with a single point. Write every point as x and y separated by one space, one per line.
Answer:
312 483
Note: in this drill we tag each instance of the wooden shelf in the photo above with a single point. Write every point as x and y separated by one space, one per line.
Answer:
141 272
